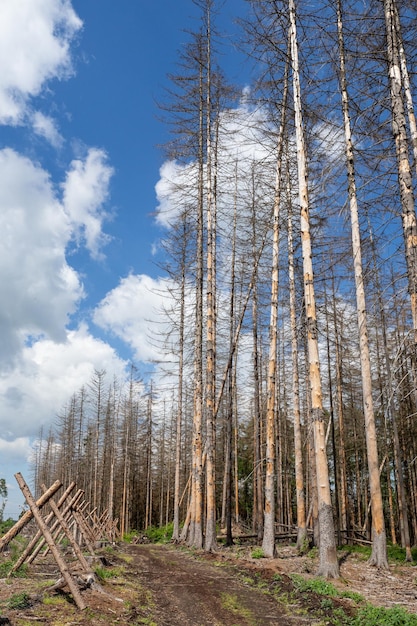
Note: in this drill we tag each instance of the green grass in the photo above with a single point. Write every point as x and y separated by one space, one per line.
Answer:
19 601
396 554
105 573
379 616
258 553
231 603
160 534
6 566
323 588
128 537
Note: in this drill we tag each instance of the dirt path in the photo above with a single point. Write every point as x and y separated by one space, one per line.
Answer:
198 593
164 585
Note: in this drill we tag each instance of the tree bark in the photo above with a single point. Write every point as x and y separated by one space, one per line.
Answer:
28 515
379 542
329 566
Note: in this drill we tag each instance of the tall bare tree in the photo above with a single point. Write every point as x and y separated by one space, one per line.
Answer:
379 542
329 566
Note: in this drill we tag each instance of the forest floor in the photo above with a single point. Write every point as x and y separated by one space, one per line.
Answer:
165 585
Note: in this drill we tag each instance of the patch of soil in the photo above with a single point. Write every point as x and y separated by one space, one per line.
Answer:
168 586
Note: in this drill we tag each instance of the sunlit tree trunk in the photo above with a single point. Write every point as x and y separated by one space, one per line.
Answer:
178 430
406 80
268 543
329 566
379 542
404 169
210 536
343 500
258 520
228 473
195 537
298 444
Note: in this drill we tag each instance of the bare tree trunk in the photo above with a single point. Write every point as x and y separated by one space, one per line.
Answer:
228 474
379 542
195 538
258 522
178 432
406 81
329 566
404 169
391 411
298 446
343 500
268 543
210 537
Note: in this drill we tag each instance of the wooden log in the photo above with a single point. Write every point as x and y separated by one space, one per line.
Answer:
70 536
42 542
28 515
55 552
31 545
83 527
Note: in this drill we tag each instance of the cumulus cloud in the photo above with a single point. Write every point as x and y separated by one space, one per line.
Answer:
45 376
135 311
243 141
35 42
85 191
38 289
19 448
43 359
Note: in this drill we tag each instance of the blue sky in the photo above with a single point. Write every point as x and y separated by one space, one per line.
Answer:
79 161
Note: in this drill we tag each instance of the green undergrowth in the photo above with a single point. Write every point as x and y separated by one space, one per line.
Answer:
162 534
322 600
366 614
155 534
323 588
19 601
6 567
396 554
258 553
105 573
379 616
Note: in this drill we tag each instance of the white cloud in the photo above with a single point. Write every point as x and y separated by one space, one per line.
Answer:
46 374
243 141
35 37
172 189
38 289
134 312
84 192
19 448
41 362
46 127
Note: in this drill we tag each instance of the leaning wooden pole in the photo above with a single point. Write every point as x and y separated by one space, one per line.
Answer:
26 517
65 527
54 526
31 546
49 540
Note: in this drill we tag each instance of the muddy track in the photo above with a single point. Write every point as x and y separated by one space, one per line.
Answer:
198 593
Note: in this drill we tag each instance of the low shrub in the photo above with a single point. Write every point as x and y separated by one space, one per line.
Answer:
378 616
160 534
